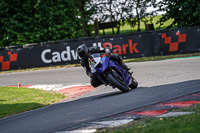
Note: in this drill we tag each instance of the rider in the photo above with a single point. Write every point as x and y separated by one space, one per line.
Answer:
85 54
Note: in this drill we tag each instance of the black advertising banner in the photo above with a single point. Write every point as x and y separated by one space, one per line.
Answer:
9 60
180 41
140 44
128 46
193 40
173 42
49 55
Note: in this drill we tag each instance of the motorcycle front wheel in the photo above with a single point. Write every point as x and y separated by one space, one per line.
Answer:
117 83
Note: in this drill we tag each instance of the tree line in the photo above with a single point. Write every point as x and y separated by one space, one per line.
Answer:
35 21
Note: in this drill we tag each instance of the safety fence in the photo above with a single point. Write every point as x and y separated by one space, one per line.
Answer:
140 44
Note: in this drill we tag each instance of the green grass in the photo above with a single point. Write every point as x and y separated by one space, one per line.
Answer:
154 58
182 124
40 68
128 29
14 100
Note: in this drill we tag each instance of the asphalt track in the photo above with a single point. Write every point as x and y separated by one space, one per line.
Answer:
158 81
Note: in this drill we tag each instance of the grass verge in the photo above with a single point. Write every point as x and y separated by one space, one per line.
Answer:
14 100
126 28
154 58
40 68
182 124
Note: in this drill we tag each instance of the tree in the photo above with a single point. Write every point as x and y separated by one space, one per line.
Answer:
184 13
137 11
121 11
36 21
86 9
112 11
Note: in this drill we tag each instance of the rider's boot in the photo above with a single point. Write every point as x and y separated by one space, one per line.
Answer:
125 66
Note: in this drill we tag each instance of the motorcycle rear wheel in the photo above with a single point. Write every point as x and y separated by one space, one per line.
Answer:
115 82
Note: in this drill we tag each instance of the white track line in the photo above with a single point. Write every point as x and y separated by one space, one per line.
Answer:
55 87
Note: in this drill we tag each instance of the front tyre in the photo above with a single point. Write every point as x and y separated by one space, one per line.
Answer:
117 83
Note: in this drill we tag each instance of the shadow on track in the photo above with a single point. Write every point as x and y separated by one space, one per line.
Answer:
112 94
112 103
161 91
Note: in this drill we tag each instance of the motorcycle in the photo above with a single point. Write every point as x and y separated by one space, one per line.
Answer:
111 72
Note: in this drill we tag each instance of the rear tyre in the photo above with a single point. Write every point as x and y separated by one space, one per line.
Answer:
117 83
134 83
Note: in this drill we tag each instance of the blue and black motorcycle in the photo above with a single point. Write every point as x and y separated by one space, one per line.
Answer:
112 73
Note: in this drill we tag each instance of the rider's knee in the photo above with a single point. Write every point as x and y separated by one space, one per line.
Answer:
95 82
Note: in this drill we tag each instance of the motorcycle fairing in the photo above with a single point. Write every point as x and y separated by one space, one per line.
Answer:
120 69
105 63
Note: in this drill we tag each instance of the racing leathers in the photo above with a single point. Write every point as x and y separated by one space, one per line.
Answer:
95 82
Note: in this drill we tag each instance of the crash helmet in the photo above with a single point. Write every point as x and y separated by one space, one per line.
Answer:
82 51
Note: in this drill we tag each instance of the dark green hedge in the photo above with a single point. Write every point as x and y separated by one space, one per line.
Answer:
35 21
